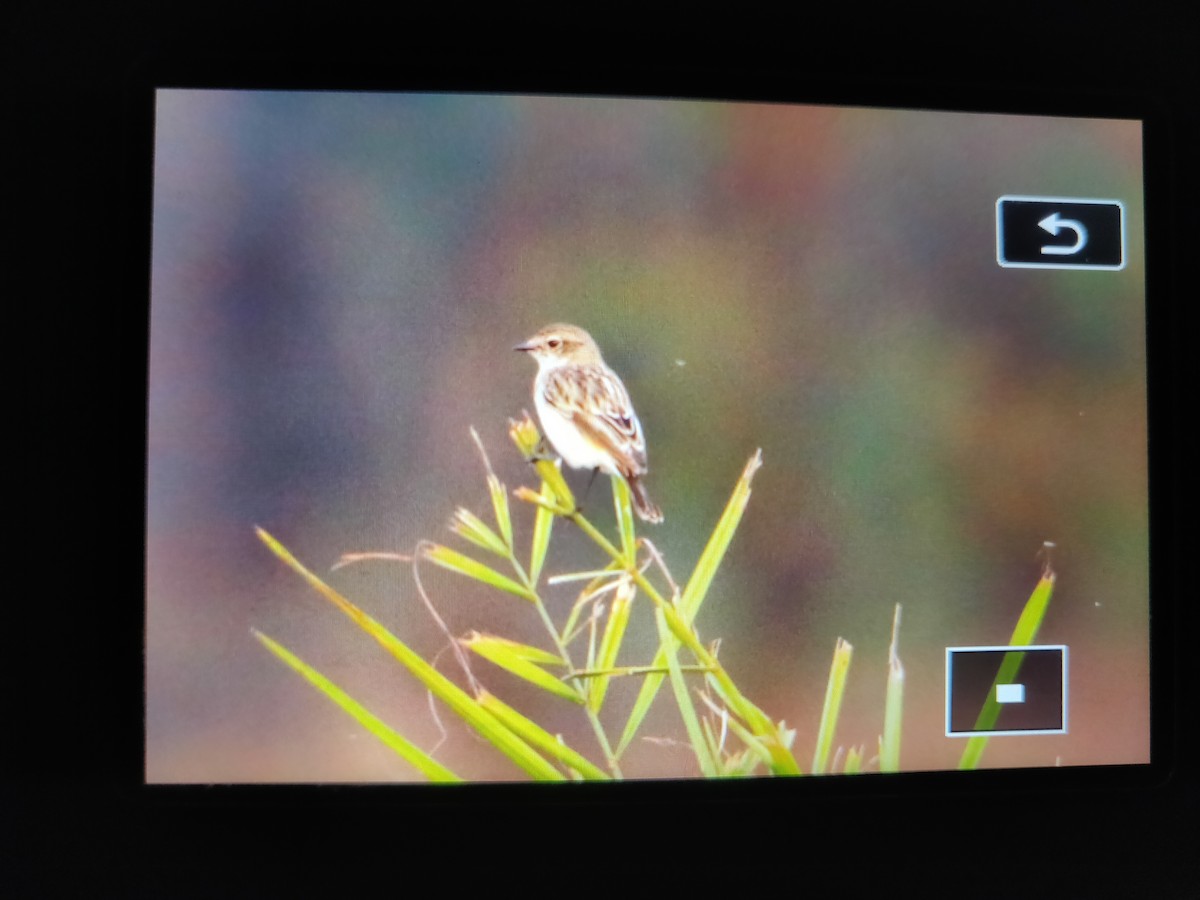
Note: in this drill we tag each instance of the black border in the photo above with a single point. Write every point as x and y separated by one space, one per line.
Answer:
83 813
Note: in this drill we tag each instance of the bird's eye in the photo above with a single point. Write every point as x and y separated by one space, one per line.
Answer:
554 343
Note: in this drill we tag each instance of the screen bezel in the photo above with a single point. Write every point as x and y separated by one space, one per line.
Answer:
707 84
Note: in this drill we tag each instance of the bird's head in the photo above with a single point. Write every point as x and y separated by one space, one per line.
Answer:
561 344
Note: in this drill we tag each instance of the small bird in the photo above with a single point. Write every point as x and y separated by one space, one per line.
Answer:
586 412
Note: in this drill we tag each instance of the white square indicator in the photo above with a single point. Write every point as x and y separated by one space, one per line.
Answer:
1010 693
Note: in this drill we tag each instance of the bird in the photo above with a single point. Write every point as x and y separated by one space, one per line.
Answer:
586 412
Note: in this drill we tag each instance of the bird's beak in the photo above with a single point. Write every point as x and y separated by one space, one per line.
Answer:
524 346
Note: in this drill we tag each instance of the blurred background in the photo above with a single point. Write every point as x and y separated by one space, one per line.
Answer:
338 282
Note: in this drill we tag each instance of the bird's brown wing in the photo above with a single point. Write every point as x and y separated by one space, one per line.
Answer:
598 404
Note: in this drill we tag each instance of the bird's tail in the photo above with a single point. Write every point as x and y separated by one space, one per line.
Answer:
646 510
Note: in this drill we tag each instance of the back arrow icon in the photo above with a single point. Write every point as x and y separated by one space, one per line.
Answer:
1053 223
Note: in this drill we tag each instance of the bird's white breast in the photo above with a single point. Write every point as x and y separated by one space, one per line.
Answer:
575 449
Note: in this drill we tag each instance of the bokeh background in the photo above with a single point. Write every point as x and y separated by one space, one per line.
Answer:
338 280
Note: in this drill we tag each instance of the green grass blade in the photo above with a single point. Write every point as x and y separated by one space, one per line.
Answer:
708 765
742 765
500 508
624 671
528 440
854 759
412 754
468 525
753 744
541 739
441 687
834 689
552 477
586 595
514 649
757 720
889 744
718 542
737 702
645 697
498 494
775 738
624 511
694 593
1024 633
543 525
464 565
610 643
590 662
713 743
1034 612
514 658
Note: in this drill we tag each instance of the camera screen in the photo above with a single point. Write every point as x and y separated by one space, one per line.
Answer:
510 438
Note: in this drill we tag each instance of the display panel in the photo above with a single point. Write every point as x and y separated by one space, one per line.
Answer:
931 325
